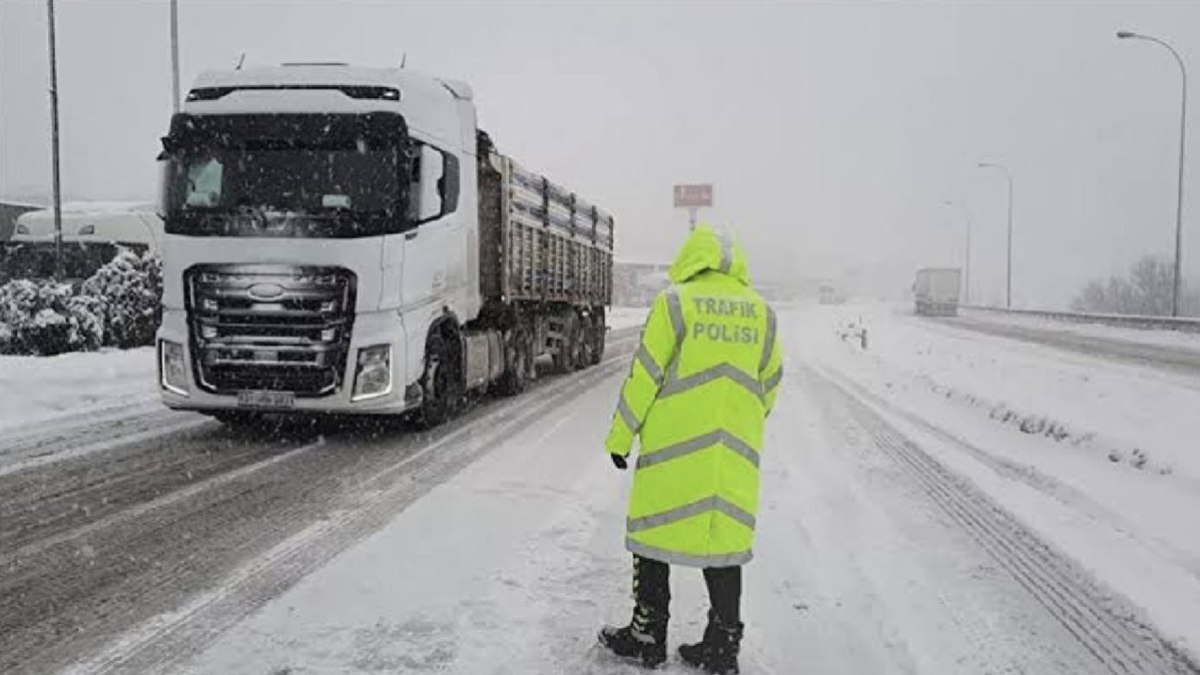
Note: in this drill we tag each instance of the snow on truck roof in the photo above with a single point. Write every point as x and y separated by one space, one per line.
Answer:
328 74
317 76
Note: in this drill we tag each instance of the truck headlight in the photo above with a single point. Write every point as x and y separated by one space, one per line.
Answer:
172 369
373 374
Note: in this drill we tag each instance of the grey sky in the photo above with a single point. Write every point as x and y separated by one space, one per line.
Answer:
833 130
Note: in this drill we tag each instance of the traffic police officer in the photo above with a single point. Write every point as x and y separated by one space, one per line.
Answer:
702 383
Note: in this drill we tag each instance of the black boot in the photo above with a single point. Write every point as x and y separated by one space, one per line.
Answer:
639 640
645 637
717 653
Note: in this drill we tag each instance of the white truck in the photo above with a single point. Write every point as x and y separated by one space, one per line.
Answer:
346 240
936 291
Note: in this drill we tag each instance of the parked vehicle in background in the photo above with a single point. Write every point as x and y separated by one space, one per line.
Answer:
9 212
346 240
936 291
92 232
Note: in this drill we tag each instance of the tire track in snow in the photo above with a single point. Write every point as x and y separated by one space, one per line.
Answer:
90 416
71 440
1121 643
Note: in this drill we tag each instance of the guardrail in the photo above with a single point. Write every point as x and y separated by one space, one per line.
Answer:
1187 325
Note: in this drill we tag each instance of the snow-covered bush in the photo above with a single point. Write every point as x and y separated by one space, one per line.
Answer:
118 306
1146 291
44 317
129 291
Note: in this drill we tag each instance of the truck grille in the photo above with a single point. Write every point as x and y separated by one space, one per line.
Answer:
270 327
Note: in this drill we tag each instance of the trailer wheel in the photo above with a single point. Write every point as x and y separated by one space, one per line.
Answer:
596 336
520 363
587 344
568 356
440 384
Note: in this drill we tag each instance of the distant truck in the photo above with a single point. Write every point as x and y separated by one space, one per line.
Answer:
92 232
936 291
347 240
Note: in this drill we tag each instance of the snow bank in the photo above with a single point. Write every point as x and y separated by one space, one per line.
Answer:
35 389
1159 338
1110 447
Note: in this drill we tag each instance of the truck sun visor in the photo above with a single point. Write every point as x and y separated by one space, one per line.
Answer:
353 91
284 130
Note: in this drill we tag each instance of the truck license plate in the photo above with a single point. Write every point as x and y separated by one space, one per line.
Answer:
266 399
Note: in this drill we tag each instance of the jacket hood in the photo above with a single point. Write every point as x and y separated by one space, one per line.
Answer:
706 249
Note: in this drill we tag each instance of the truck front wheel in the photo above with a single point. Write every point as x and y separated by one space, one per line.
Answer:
440 384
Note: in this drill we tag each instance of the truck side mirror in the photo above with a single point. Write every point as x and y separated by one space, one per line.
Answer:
432 167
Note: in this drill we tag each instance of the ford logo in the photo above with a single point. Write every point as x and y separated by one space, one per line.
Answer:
265 291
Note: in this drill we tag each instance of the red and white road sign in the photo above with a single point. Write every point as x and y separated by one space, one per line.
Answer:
693 196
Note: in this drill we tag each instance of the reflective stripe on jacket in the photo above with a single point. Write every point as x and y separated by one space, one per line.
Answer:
703 380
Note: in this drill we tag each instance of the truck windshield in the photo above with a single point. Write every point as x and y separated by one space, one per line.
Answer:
330 185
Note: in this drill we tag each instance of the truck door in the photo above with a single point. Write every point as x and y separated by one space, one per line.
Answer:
433 249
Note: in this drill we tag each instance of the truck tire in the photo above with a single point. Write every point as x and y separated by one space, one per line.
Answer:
440 384
567 358
516 377
597 337
587 344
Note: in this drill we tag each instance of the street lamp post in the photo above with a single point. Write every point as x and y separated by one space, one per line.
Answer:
1008 275
966 251
57 187
1178 281
175 56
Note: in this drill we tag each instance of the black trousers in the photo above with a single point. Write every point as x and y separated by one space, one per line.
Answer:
652 590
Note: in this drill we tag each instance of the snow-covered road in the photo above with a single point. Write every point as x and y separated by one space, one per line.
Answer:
901 531
511 566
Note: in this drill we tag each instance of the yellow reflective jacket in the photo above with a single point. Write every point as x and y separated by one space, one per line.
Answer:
701 385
